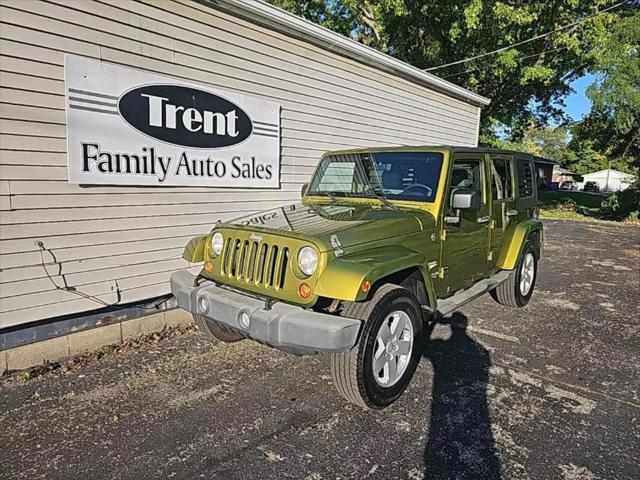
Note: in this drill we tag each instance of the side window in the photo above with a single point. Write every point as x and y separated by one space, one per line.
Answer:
502 178
525 179
466 174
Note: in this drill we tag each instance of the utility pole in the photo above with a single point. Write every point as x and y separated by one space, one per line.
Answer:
606 188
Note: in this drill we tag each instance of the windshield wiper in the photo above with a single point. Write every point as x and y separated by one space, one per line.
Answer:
383 199
366 178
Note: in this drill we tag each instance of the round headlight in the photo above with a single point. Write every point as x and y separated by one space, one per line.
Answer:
217 242
307 260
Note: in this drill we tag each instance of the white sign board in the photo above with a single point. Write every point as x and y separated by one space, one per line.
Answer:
131 127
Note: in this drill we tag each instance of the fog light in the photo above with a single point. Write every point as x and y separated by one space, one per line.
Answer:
244 320
208 267
304 290
203 304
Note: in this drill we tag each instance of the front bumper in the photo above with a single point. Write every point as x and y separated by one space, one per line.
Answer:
284 326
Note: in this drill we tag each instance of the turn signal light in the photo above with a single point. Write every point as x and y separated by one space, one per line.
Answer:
366 285
208 267
304 290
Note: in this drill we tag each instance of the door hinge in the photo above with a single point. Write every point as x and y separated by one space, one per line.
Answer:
442 271
492 224
490 256
443 235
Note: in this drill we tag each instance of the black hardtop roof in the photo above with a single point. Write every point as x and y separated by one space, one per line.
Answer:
488 150
453 148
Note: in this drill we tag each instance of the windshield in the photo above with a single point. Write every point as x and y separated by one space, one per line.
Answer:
391 175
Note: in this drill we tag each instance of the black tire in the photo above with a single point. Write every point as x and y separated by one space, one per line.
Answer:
213 329
509 292
353 370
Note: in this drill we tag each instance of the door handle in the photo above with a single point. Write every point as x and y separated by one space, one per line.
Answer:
483 220
512 213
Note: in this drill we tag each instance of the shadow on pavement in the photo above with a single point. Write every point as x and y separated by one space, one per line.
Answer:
460 443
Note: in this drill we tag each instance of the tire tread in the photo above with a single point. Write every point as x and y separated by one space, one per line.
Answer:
508 292
344 365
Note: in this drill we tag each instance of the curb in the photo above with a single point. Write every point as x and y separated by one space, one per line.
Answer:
53 349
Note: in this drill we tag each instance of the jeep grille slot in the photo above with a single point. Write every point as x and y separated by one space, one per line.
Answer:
283 267
255 262
271 266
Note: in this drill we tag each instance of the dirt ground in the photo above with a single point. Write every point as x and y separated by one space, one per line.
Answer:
550 391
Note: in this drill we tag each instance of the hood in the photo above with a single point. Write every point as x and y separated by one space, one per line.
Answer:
350 224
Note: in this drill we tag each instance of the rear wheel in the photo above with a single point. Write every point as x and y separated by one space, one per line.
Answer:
516 291
212 329
377 370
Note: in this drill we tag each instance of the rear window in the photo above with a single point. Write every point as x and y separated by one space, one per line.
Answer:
526 183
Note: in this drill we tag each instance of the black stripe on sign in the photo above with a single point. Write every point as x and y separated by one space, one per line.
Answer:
265 134
98 110
92 94
96 102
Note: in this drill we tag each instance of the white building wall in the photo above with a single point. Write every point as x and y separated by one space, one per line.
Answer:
120 244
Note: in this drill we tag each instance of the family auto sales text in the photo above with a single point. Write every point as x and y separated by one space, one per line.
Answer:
150 162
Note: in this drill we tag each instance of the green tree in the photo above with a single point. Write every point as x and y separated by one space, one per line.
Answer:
526 83
613 125
546 141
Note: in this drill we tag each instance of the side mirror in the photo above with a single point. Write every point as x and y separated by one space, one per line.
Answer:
304 188
463 199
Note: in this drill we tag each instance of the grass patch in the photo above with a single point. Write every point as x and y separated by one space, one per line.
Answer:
548 199
555 214
567 205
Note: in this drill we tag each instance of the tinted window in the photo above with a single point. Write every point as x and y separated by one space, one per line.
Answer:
466 174
525 179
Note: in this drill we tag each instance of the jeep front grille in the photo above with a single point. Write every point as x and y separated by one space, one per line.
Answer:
255 262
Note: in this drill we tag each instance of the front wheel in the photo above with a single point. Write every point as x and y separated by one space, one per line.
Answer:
516 291
377 370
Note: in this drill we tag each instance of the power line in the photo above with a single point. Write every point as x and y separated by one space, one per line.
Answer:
496 63
537 37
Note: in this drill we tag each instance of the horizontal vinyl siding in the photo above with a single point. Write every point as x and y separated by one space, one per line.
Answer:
129 239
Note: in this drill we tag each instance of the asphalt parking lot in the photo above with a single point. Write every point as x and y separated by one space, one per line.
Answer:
549 391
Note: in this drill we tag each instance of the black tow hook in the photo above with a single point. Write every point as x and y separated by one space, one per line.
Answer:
199 279
268 304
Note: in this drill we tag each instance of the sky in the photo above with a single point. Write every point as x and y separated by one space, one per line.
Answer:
577 104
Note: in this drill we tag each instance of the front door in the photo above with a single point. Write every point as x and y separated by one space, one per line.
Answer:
466 245
503 202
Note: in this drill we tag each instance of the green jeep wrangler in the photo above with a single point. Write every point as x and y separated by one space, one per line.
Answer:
384 241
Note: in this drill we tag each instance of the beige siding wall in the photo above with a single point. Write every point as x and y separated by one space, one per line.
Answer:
129 239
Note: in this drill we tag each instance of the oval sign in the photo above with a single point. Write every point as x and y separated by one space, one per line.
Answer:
185 116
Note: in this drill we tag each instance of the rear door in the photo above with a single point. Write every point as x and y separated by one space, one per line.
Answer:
502 200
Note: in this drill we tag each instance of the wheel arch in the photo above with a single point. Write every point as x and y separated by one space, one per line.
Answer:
414 280
194 251
512 247
343 277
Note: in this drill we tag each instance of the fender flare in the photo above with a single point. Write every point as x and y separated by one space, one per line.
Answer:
512 247
343 277
194 251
